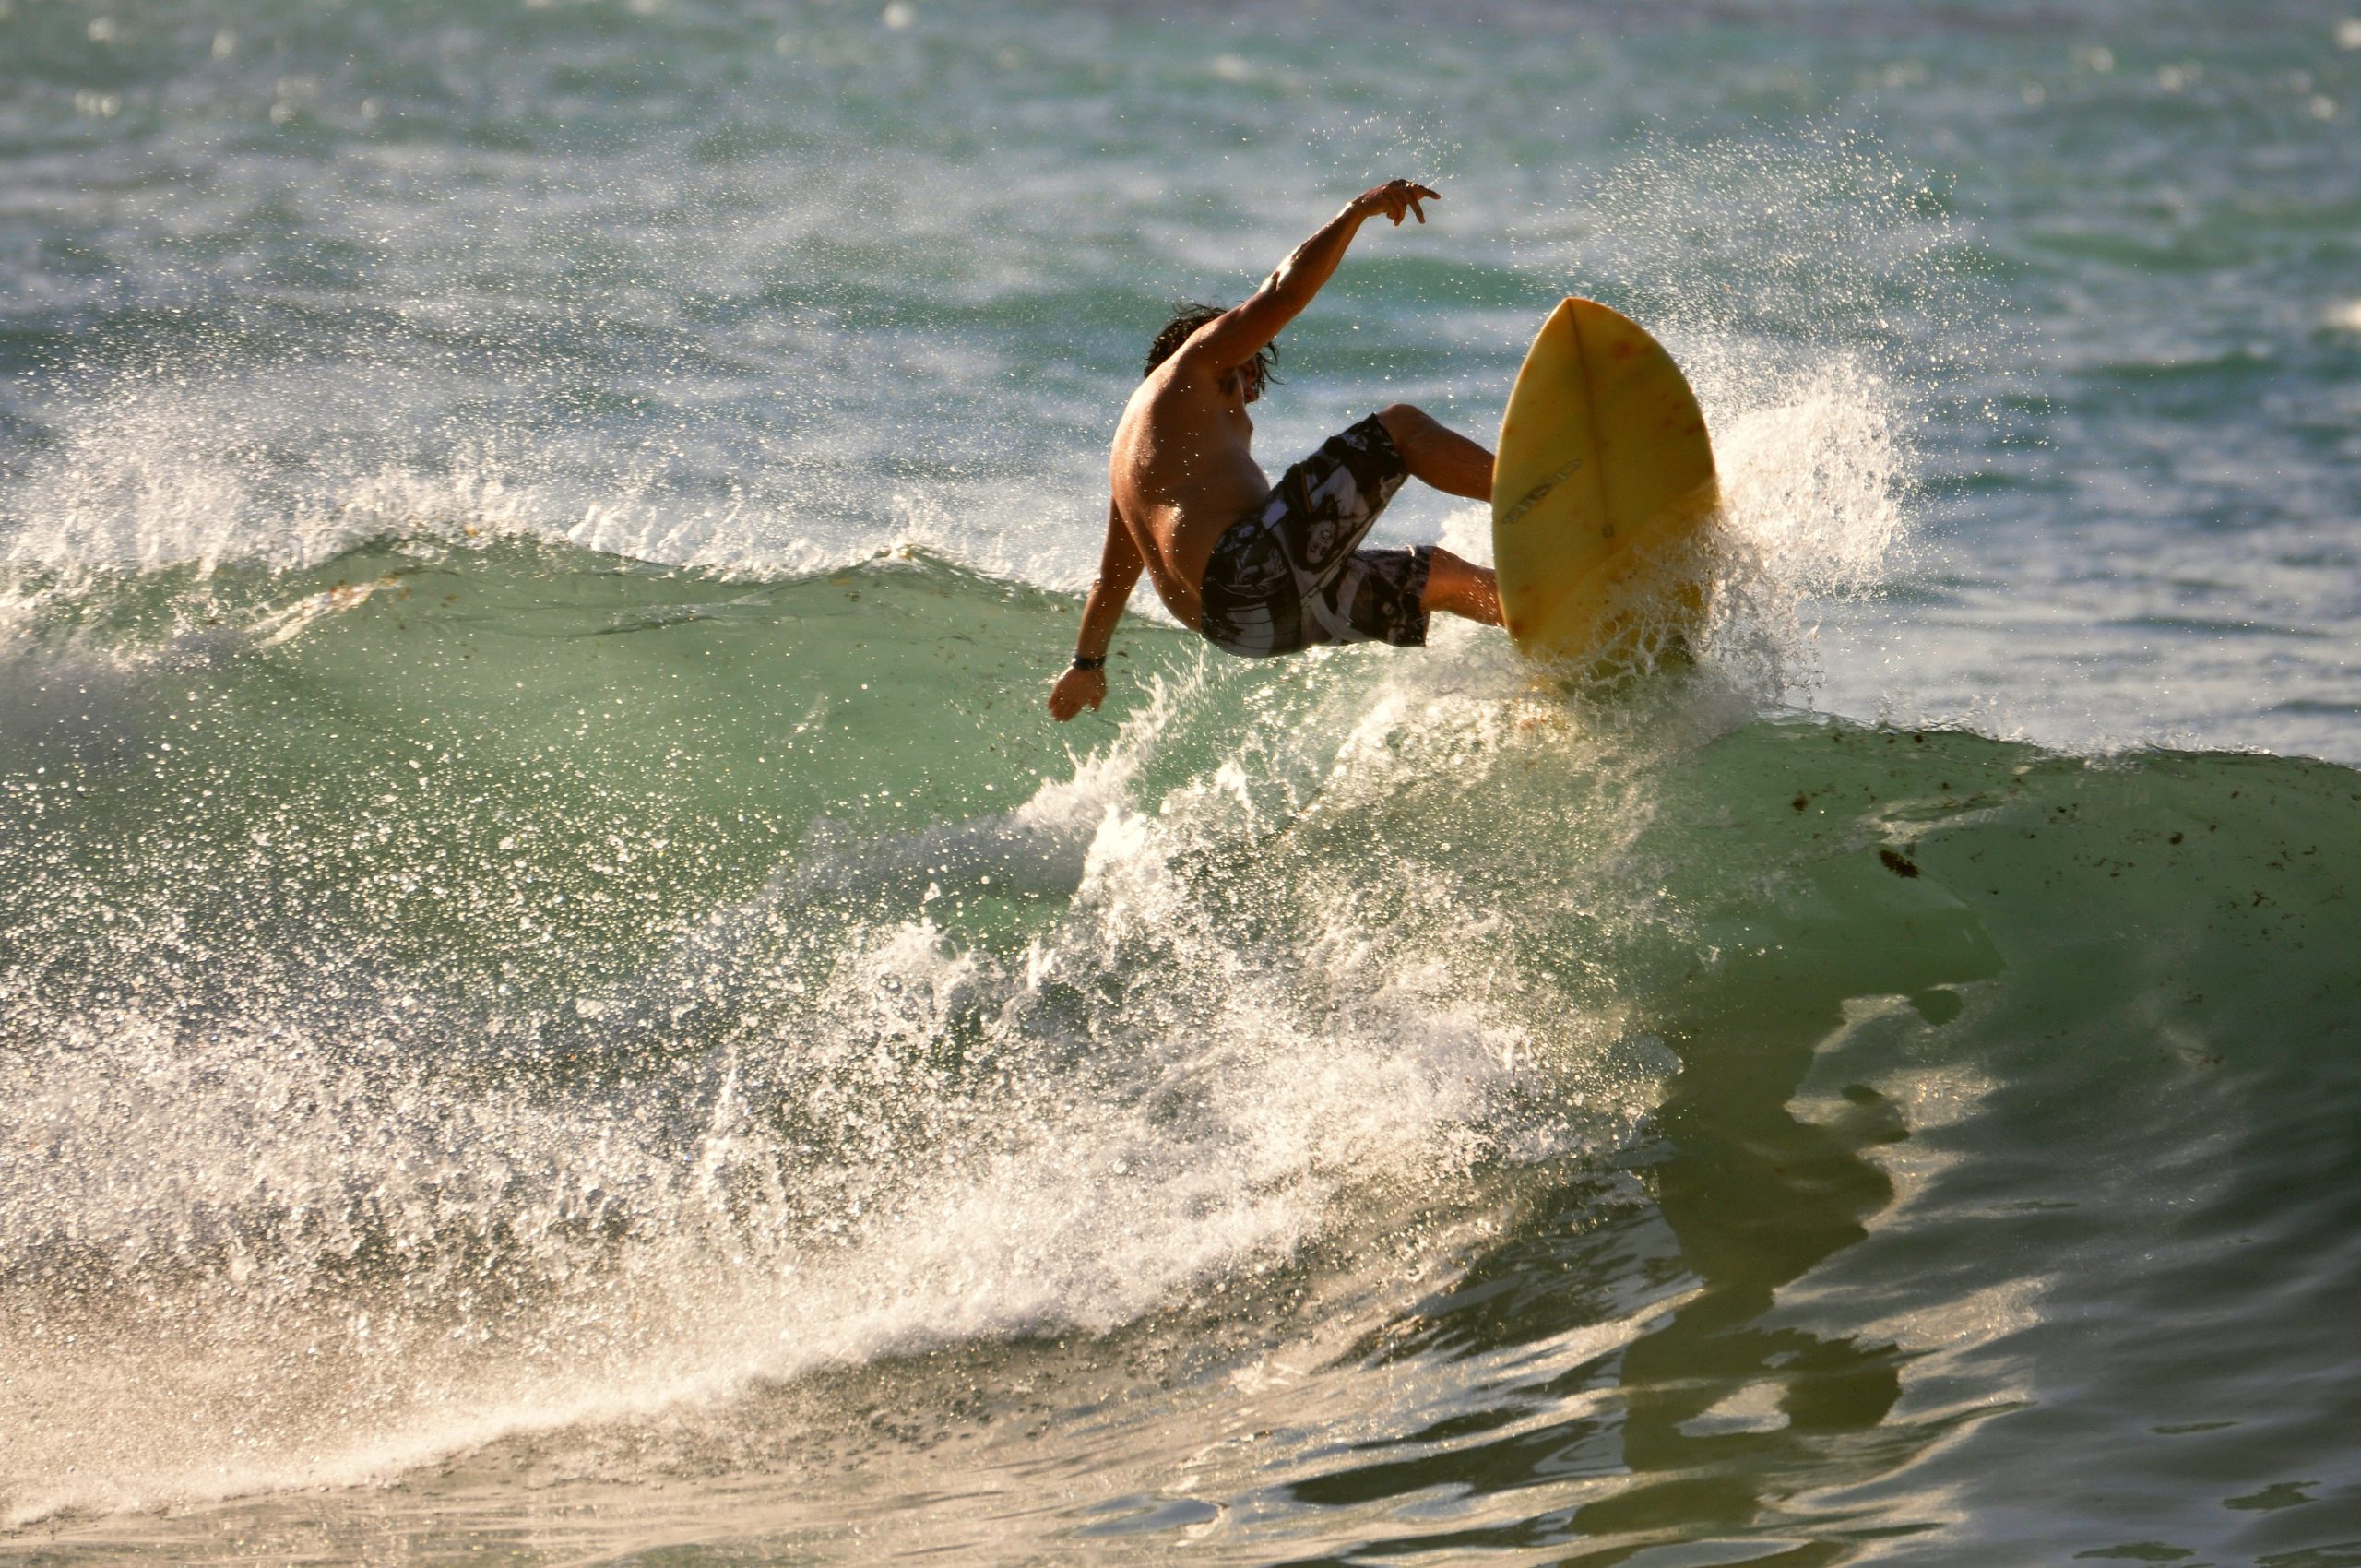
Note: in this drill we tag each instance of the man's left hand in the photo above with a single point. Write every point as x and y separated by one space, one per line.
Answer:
1075 690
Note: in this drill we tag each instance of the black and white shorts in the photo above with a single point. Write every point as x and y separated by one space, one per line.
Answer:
1287 575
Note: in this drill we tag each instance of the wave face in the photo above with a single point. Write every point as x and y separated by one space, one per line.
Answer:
568 1024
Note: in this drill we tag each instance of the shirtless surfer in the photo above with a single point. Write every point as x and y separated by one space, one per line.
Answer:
1262 569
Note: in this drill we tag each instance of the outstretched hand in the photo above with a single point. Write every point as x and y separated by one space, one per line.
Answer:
1393 199
1075 690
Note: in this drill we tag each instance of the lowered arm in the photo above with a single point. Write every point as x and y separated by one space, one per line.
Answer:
1120 563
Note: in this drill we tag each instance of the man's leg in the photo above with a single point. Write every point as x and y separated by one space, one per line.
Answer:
1436 455
1452 463
1461 587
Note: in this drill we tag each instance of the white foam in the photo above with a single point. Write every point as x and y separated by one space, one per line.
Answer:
309 1232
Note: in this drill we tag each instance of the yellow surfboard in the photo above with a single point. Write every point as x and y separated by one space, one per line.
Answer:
1603 482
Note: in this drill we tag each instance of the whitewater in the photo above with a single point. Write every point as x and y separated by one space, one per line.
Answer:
562 1000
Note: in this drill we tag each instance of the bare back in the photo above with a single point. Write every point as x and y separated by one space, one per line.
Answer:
1181 471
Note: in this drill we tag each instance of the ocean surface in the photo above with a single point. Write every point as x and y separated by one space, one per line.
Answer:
561 1001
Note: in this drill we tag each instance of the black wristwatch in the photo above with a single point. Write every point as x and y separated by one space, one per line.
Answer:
1081 662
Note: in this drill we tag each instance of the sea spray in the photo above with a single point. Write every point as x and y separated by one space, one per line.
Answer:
541 1178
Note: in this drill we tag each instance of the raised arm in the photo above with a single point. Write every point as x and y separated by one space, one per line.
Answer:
1084 682
1240 334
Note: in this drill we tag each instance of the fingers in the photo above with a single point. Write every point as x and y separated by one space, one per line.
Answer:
1069 696
1397 198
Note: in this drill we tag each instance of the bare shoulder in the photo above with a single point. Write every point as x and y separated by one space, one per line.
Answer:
1189 380
1200 358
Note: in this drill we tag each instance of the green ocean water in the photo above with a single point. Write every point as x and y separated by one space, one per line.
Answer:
561 1001
658 1017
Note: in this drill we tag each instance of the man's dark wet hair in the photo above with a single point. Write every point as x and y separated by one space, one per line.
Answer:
1187 316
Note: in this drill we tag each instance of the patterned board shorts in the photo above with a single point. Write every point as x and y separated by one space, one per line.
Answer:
1287 575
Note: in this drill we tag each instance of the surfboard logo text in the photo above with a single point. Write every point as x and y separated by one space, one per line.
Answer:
1533 497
